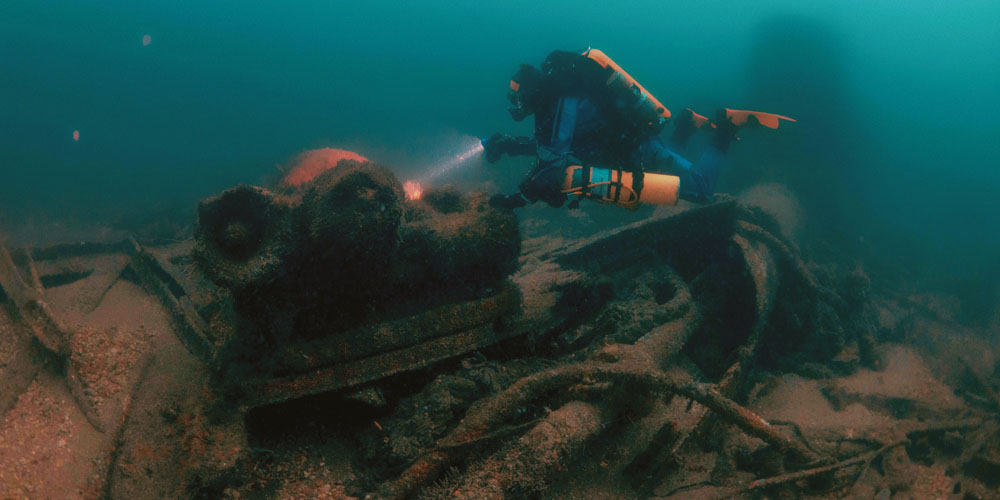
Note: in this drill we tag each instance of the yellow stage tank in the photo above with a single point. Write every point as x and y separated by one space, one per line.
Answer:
614 186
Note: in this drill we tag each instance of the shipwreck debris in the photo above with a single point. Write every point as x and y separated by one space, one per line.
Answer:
636 358
340 280
24 291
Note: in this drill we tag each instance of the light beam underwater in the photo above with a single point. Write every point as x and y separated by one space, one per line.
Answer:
414 189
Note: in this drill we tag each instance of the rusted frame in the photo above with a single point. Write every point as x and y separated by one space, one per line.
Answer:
31 308
190 327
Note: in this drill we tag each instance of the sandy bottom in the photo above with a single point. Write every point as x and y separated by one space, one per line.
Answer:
102 425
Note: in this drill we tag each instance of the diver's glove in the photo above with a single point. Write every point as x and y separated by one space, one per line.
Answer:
508 201
496 146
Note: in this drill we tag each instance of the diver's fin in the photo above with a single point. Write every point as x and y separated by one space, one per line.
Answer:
698 120
741 118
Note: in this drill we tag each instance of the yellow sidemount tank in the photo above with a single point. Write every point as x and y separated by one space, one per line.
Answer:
606 185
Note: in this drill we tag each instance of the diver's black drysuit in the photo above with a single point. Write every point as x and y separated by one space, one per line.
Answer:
578 122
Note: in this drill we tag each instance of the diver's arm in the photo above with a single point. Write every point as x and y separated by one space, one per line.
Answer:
523 146
499 144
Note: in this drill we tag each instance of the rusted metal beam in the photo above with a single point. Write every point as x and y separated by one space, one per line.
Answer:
30 306
190 327
22 258
77 250
375 367
369 340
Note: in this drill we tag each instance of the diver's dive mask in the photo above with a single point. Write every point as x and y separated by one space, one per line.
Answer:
519 111
524 87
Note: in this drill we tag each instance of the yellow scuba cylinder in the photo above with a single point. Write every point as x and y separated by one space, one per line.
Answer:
620 81
607 185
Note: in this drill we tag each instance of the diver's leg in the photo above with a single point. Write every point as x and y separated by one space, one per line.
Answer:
698 182
545 183
684 127
654 156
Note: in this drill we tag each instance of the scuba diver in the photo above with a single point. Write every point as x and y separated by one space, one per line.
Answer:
596 136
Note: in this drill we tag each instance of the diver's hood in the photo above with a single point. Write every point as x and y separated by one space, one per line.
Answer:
525 86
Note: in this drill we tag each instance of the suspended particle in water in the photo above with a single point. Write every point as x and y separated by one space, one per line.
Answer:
76 135
146 40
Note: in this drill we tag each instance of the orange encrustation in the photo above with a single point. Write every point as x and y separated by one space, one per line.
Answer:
314 162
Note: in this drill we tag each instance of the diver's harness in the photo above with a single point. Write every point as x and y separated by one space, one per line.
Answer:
636 114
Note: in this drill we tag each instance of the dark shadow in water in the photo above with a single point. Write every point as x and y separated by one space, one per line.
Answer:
903 220
797 66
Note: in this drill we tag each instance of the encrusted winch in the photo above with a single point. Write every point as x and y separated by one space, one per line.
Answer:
340 280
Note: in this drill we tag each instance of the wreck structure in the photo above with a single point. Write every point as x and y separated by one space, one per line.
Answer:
342 281
631 360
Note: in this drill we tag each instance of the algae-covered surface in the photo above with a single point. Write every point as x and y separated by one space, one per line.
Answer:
696 352
202 295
